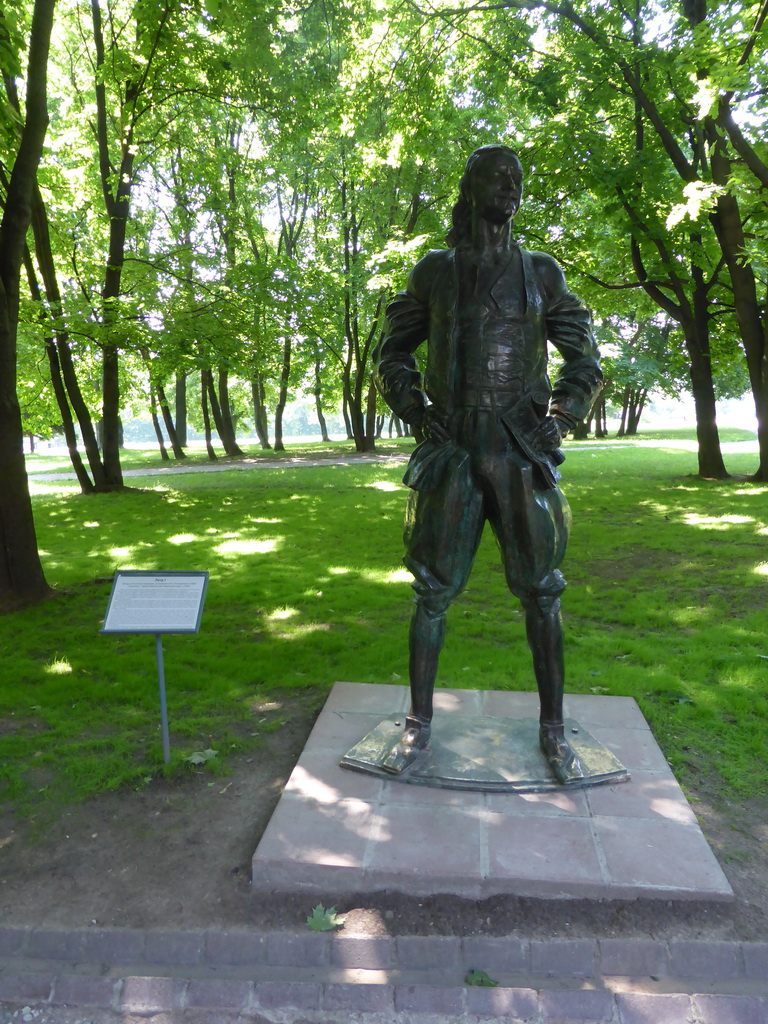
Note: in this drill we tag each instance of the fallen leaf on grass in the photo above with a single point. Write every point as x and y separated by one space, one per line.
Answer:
201 756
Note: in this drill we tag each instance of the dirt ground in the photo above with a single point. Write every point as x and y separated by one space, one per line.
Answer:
178 856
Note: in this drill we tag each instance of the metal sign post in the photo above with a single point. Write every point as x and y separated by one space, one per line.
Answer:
156 602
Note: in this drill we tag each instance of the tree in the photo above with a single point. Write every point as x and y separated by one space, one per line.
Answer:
21 574
654 109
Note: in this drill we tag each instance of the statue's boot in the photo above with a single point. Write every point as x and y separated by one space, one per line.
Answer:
545 638
425 643
561 757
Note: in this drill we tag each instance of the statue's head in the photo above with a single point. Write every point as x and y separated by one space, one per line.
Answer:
492 184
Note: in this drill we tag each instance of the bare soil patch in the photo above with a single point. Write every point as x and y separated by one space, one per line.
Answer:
178 856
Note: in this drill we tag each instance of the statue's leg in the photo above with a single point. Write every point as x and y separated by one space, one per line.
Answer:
531 526
425 641
443 530
544 628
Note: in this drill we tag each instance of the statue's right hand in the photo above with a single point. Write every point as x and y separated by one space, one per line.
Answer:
433 426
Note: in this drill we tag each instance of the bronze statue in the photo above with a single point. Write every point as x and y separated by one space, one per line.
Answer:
492 426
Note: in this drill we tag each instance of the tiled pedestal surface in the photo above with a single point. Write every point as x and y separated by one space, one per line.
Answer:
337 831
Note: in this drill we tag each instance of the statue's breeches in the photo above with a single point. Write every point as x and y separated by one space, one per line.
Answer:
486 478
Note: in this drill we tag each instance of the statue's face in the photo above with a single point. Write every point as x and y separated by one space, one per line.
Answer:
496 187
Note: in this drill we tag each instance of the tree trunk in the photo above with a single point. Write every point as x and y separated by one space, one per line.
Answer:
116 186
70 434
204 374
260 420
223 426
170 428
728 223
319 404
581 431
228 437
710 456
156 424
370 419
45 261
59 391
285 373
636 405
21 574
180 404
730 233
345 413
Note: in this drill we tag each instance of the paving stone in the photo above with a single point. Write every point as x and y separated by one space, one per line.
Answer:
654 795
305 841
634 958
644 855
12 940
425 952
721 960
363 952
151 995
716 1009
457 702
428 999
290 949
570 957
299 995
642 1008
515 1004
489 954
448 864
525 854
55 945
182 948
381 699
755 959
576 1005
219 993
83 990
318 777
25 985
604 711
235 948
357 998
114 945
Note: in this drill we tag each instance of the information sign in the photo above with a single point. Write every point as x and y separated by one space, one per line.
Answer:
155 602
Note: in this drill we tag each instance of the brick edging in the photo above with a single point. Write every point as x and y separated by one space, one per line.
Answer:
148 995
575 958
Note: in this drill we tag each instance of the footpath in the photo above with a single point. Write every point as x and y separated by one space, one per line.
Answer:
108 975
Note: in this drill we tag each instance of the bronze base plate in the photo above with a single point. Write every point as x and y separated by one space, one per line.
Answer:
490 755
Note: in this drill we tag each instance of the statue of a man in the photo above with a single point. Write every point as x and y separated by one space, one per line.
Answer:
492 425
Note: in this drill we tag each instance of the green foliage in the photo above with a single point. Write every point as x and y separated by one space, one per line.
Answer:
322 920
201 757
480 979
335 136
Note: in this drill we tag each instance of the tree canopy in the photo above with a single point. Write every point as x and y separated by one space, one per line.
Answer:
229 194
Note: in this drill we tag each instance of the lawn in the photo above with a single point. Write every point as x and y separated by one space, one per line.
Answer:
666 603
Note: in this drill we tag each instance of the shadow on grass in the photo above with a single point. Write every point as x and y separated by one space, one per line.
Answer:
667 590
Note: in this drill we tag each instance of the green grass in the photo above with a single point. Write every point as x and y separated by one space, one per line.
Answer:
666 603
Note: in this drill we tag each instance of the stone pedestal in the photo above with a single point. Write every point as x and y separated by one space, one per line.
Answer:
337 831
